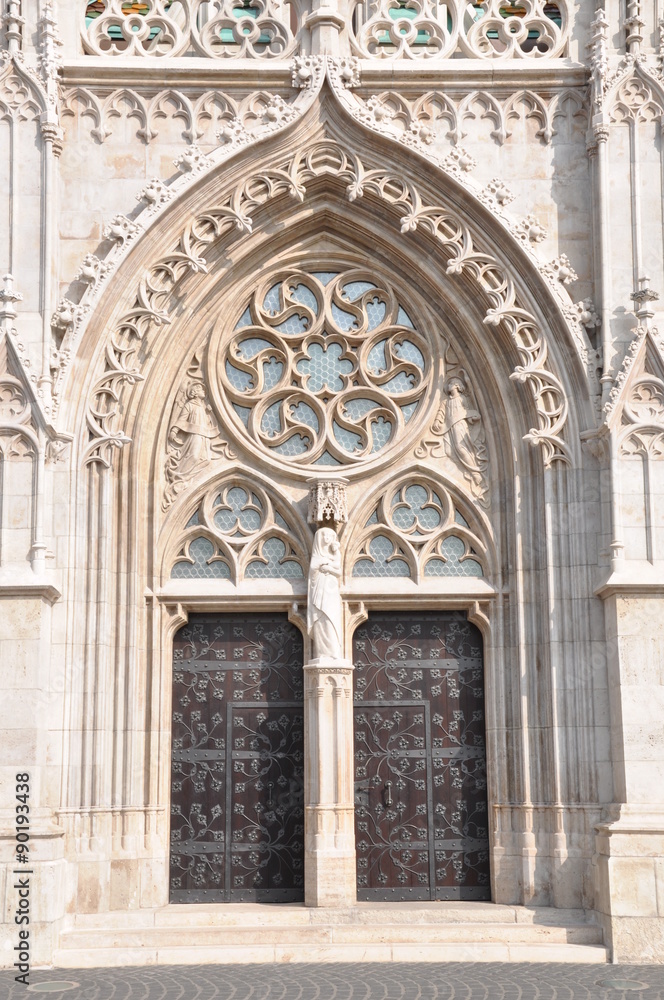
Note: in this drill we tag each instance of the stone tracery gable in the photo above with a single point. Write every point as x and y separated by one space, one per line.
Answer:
290 178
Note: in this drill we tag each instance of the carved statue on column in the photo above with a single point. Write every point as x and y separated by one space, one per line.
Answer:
324 610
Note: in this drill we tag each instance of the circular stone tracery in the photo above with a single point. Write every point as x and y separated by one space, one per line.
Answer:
324 368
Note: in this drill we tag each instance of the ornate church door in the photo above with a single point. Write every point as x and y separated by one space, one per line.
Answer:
237 816
421 823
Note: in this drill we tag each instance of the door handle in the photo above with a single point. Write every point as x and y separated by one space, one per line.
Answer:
388 794
270 800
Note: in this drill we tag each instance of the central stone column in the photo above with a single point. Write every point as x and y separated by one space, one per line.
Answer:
329 840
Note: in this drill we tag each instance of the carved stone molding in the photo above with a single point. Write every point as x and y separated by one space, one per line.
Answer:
227 116
450 110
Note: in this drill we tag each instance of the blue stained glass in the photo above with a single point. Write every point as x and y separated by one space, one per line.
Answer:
325 367
403 382
460 519
274 551
325 277
305 414
272 302
304 295
381 430
293 325
415 497
200 550
244 320
242 381
376 362
252 346
408 351
408 410
359 407
233 513
271 422
404 319
347 439
243 413
194 519
295 445
354 289
452 549
272 372
326 459
278 519
375 313
381 549
373 519
345 321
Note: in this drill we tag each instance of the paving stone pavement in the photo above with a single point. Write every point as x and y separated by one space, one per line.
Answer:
395 981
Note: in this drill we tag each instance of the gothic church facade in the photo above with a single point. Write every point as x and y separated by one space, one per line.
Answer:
389 266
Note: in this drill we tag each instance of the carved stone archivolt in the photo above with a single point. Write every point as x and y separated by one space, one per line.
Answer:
465 258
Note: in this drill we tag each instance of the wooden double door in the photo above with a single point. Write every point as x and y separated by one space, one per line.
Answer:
237 774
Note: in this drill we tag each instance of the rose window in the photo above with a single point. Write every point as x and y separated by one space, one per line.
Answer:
325 368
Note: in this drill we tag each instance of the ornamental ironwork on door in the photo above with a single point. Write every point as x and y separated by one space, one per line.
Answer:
237 792
421 823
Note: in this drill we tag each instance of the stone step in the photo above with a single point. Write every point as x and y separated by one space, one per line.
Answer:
296 914
368 932
424 934
189 953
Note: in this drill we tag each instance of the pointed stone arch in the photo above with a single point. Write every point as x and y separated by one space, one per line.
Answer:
517 305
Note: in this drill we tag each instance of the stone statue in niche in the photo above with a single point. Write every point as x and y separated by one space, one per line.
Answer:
191 435
324 610
463 435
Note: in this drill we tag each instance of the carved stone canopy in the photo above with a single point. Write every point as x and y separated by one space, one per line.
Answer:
328 502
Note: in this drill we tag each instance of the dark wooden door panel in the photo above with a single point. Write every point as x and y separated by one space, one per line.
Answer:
420 763
237 814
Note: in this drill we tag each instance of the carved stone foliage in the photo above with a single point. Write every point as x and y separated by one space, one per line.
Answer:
450 111
323 368
491 29
239 532
209 114
193 436
219 29
416 531
466 258
457 434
